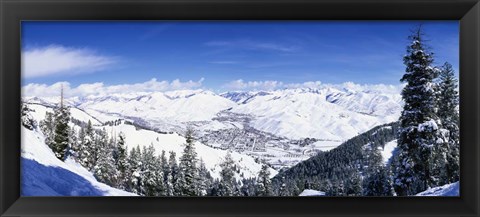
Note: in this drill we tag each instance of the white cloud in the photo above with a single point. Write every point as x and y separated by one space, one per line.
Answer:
253 85
57 59
43 90
382 88
308 84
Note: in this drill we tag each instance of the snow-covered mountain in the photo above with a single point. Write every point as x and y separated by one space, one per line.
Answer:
327 113
281 126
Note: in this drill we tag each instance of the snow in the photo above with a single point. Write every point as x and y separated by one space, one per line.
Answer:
427 125
387 150
42 174
326 145
41 110
173 142
174 106
310 192
449 190
212 157
298 113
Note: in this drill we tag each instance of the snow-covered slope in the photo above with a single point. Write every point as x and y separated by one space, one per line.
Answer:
43 174
175 106
212 157
452 190
320 113
387 150
310 192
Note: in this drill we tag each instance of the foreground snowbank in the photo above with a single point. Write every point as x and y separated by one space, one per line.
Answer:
452 189
310 192
42 174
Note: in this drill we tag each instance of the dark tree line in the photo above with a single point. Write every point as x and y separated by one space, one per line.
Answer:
339 172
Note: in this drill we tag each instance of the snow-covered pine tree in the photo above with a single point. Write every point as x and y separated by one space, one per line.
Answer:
284 190
377 180
180 185
87 149
148 171
420 127
188 166
47 126
160 187
105 170
354 184
62 129
448 101
165 166
172 163
263 182
204 179
26 118
73 144
169 190
248 187
136 178
121 160
227 174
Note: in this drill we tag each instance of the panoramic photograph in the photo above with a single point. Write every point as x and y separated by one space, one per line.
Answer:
240 108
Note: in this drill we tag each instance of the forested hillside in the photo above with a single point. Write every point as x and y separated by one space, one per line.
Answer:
339 171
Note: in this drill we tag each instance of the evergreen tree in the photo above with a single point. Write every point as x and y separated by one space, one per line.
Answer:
149 171
121 160
169 189
26 119
165 166
420 126
179 185
88 147
160 187
136 178
188 167
377 180
354 184
74 144
105 170
204 179
448 101
284 190
62 130
248 187
263 182
174 170
47 126
227 174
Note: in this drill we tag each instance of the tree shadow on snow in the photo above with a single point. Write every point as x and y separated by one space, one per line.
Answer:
41 180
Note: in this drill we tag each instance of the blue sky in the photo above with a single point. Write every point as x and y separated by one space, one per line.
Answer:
217 53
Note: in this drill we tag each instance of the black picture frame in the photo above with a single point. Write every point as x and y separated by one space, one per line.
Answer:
12 12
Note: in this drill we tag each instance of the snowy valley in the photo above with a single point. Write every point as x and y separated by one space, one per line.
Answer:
282 127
